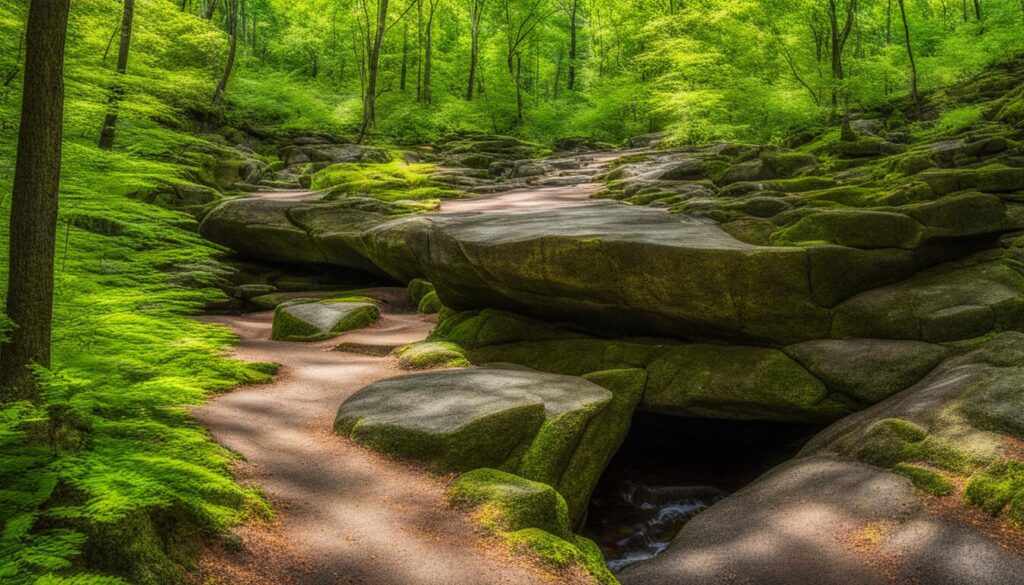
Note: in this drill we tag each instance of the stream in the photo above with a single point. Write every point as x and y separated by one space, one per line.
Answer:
670 469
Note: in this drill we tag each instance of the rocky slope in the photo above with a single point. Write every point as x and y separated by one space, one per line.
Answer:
874 280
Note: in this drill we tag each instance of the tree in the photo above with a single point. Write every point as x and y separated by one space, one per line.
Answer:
374 34
838 36
520 19
428 50
373 66
34 202
476 12
572 8
110 121
222 85
910 55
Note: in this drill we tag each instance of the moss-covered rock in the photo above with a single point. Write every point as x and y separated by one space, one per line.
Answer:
857 229
430 304
867 370
459 420
416 290
734 382
315 320
505 502
561 553
948 303
431 354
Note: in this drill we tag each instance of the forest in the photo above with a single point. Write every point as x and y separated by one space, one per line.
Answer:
650 292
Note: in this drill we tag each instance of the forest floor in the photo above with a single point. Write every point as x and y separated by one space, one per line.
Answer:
345 514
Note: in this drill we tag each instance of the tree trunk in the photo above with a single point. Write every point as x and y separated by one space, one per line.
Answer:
373 64
519 86
405 57
428 54
211 7
474 47
913 65
838 43
977 9
117 93
572 45
33 230
218 95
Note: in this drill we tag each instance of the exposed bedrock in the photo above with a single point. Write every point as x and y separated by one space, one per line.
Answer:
846 511
601 265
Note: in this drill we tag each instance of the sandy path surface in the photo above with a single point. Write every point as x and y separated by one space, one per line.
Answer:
345 514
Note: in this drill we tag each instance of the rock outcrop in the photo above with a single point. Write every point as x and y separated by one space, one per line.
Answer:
542 427
846 511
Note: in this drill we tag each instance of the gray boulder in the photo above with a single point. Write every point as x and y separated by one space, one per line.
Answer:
316 320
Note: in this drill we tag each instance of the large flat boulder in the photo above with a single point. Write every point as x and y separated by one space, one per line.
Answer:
517 420
614 268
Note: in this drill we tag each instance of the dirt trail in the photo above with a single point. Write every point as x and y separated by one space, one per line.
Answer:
345 514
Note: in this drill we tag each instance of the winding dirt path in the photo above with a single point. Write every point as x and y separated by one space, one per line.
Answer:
346 514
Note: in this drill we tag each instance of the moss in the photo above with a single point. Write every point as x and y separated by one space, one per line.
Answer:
473 330
925 479
785 165
506 503
416 290
556 442
999 488
602 437
857 229
390 181
430 304
431 354
801 184
892 441
561 553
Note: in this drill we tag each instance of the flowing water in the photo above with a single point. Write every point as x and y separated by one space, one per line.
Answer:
669 470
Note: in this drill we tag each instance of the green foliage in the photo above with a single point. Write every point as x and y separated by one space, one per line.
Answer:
127 360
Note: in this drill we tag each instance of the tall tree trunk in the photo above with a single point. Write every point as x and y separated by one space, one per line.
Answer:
428 53
519 86
405 57
572 45
419 50
33 230
117 93
211 7
222 85
373 65
838 39
910 55
474 46
888 23
977 9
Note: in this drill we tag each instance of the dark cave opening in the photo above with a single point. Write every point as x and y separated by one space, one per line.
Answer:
669 469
